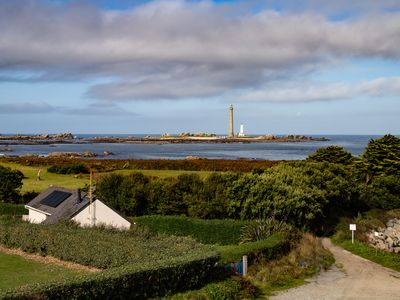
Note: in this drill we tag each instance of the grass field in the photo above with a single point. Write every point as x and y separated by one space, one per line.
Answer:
16 271
74 181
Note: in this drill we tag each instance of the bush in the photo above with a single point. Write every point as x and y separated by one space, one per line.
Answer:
220 232
383 192
97 247
142 281
10 183
12 209
272 247
69 169
262 229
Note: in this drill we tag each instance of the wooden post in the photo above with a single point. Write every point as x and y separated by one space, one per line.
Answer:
91 209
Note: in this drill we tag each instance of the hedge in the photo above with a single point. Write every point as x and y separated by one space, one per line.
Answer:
97 247
276 245
220 232
128 282
12 209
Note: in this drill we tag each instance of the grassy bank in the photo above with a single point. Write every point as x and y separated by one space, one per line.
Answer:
386 259
367 222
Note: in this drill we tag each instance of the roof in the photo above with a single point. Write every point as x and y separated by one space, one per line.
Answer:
67 209
62 211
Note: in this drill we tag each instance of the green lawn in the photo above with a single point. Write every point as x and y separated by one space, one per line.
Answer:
16 271
74 181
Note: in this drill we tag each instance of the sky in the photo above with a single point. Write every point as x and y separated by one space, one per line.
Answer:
131 67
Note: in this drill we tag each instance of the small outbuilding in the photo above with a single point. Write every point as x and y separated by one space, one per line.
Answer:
56 204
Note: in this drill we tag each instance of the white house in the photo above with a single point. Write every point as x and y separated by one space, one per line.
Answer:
56 204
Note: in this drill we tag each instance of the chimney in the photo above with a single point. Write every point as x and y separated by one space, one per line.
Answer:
78 192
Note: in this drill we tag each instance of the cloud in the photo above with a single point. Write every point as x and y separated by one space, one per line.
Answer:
309 92
44 108
178 49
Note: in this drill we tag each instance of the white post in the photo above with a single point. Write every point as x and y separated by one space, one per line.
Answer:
353 227
244 265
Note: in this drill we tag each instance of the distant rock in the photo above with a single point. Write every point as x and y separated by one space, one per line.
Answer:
72 154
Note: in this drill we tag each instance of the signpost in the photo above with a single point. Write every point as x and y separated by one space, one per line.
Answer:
353 228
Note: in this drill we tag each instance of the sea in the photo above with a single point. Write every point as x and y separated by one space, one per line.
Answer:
355 144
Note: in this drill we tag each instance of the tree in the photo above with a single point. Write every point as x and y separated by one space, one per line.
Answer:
331 154
381 157
10 183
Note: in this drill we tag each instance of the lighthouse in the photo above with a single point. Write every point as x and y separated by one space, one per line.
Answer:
230 130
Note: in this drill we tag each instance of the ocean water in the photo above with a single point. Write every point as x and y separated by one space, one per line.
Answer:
262 151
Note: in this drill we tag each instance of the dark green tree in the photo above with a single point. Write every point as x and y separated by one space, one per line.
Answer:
381 157
331 154
10 183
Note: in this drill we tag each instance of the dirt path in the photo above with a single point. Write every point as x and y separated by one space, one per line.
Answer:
357 278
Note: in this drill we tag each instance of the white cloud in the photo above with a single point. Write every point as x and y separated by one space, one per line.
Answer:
314 91
177 49
44 108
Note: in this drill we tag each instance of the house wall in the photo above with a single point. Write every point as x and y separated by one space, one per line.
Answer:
103 216
36 217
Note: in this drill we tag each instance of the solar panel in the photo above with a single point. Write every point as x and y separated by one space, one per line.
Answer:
55 198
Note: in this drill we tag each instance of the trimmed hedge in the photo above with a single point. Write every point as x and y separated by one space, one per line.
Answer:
98 247
12 209
128 282
272 247
220 232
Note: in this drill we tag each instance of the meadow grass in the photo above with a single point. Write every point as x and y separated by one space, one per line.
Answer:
71 181
16 271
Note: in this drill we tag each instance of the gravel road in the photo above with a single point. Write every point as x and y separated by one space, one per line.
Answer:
352 277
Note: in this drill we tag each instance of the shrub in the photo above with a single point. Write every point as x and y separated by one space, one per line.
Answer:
141 281
331 154
12 209
272 247
78 168
10 183
221 232
262 229
99 247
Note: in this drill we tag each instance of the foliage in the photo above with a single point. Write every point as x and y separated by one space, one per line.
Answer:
383 192
12 209
139 281
302 194
220 232
272 247
98 247
331 154
10 183
78 168
262 229
381 157
106 165
306 257
233 288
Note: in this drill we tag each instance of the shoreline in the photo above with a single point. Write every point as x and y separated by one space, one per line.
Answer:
69 139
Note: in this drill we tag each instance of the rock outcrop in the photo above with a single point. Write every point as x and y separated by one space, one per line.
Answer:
72 154
387 238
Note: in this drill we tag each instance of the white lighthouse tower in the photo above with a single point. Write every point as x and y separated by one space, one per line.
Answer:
241 132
